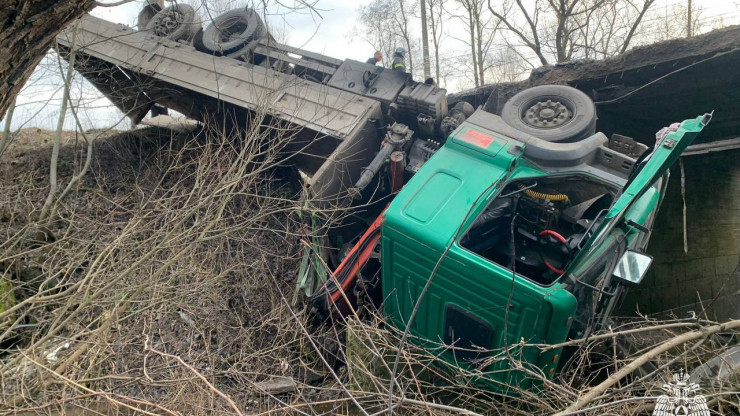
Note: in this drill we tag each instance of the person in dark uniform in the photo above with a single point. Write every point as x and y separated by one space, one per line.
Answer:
399 59
377 57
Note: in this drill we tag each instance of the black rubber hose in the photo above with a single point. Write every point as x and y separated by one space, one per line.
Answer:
372 169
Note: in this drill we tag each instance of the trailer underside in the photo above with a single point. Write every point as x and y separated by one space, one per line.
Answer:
332 133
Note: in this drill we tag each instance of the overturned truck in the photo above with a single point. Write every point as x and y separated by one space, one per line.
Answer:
524 225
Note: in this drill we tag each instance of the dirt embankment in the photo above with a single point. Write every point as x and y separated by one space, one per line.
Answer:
172 244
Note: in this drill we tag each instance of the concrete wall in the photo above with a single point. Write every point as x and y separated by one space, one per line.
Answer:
708 276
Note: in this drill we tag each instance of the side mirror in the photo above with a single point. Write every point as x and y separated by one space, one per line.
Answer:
632 267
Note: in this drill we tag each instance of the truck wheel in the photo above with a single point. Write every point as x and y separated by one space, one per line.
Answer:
554 113
175 22
198 42
150 9
233 30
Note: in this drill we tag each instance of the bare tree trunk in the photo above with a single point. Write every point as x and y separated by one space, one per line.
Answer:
46 209
425 40
88 155
30 26
636 23
471 27
405 33
5 141
479 45
688 21
436 32
436 64
560 37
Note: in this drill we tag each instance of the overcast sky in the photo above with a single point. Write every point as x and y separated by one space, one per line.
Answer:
331 32
328 30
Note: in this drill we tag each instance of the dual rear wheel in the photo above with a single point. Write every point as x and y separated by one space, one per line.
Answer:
229 33
554 113
177 22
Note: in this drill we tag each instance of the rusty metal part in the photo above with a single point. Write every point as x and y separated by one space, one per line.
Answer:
396 169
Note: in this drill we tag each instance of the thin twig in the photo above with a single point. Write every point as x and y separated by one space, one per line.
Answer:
203 379
644 358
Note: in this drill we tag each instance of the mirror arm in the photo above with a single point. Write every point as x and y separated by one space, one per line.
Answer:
593 288
638 226
641 228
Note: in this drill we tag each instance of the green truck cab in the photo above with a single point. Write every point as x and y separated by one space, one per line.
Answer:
504 239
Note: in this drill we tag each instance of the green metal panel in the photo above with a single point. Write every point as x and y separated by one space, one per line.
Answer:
662 158
642 212
643 206
432 196
442 199
421 222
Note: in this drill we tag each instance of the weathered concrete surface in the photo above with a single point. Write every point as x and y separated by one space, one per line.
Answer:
647 87
707 277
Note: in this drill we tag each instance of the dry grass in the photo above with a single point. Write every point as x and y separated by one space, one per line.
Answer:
163 286
179 244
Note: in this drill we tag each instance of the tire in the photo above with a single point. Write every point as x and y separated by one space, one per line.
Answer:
244 52
150 9
176 22
554 113
198 42
232 30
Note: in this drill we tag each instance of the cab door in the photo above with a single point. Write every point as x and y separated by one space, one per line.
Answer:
648 172
590 277
486 309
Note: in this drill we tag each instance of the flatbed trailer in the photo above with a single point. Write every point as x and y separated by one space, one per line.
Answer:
337 122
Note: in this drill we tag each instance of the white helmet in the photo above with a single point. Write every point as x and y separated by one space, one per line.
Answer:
401 51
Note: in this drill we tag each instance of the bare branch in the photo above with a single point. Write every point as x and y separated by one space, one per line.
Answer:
115 4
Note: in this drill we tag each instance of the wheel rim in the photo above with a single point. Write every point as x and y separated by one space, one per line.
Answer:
547 113
169 22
